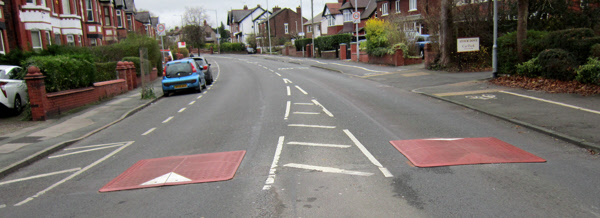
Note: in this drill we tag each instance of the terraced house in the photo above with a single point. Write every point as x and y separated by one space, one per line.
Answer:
36 24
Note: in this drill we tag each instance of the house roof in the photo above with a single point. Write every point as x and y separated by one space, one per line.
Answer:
316 19
143 16
259 16
371 8
334 8
119 3
237 15
274 15
154 21
130 6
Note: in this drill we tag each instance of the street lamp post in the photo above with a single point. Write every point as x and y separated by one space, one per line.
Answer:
269 27
357 42
218 34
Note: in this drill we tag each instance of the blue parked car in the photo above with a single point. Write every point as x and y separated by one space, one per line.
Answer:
182 74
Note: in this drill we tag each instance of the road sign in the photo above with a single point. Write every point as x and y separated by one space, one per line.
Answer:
467 44
356 17
160 28
301 33
181 44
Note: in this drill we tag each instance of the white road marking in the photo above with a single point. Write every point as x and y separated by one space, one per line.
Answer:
307 113
278 74
553 102
271 177
322 107
302 90
360 68
2 206
327 169
149 131
93 146
167 178
287 110
312 126
191 103
444 139
181 110
218 72
199 97
40 176
364 150
304 103
84 151
167 120
286 81
74 174
318 144
289 92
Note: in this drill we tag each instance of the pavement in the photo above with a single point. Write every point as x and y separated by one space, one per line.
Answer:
569 117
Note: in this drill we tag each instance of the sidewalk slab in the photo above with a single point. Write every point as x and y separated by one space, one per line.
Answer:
22 147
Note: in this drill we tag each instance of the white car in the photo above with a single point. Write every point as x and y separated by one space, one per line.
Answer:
13 92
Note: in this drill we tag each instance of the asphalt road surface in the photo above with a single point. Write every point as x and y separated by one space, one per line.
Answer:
317 145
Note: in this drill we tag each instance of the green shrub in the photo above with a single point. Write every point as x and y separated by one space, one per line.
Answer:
106 71
232 47
557 64
577 41
328 43
403 47
301 43
185 52
530 68
595 51
130 47
16 57
590 72
64 72
507 49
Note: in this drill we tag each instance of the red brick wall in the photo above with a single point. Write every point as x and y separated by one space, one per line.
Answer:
60 102
328 54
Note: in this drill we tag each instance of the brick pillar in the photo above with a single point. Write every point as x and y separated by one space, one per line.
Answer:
36 88
122 70
153 74
132 75
308 51
430 55
399 57
128 75
343 48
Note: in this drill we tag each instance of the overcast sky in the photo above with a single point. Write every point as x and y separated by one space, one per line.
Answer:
170 11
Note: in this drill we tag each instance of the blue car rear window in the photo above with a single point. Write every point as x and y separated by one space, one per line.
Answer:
179 69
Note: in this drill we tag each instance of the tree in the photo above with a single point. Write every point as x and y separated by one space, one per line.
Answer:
522 26
445 32
194 31
224 34
251 40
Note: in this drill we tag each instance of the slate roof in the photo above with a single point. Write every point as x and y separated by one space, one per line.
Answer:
334 8
154 21
143 16
130 6
237 15
371 8
317 19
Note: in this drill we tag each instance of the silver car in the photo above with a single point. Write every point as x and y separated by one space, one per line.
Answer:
13 91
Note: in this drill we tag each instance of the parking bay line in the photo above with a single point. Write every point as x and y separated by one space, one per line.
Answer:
318 144
366 152
40 176
552 102
271 177
302 90
327 169
287 110
84 151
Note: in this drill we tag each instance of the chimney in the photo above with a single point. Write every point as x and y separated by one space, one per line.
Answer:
258 6
205 24
276 8
341 1
245 7
299 11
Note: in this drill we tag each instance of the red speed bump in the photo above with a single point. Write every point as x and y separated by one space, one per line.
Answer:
178 170
462 151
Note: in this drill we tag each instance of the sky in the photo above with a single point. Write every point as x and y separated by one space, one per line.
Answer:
170 11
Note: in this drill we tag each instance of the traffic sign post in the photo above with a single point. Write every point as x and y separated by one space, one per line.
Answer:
160 29
356 17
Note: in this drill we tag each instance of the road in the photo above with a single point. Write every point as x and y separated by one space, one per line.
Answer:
317 145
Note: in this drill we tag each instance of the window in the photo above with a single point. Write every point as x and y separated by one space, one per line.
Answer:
331 21
53 7
318 28
89 10
397 6
36 40
347 16
70 40
412 4
48 38
30 1
384 9
106 16
93 42
66 6
287 29
129 24
57 39
309 28
119 19
2 51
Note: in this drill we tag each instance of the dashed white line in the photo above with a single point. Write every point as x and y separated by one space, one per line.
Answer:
74 174
40 176
167 120
307 113
199 97
289 92
181 110
312 126
327 169
191 103
302 90
271 177
322 107
372 158
149 131
278 74
318 144
287 110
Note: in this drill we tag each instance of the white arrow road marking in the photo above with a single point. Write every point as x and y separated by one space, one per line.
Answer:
171 177
302 90
364 150
327 169
286 81
318 144
271 177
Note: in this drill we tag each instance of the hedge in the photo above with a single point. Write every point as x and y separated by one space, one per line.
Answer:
327 43
507 49
106 71
301 43
229 47
590 72
576 41
64 72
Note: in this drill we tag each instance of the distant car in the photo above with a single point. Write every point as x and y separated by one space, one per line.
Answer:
205 66
182 74
421 40
13 90
251 50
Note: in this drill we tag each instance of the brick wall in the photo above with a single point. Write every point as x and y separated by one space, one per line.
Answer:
60 102
328 54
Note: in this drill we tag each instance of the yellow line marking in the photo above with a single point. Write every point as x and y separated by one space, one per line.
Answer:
415 74
467 92
387 73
